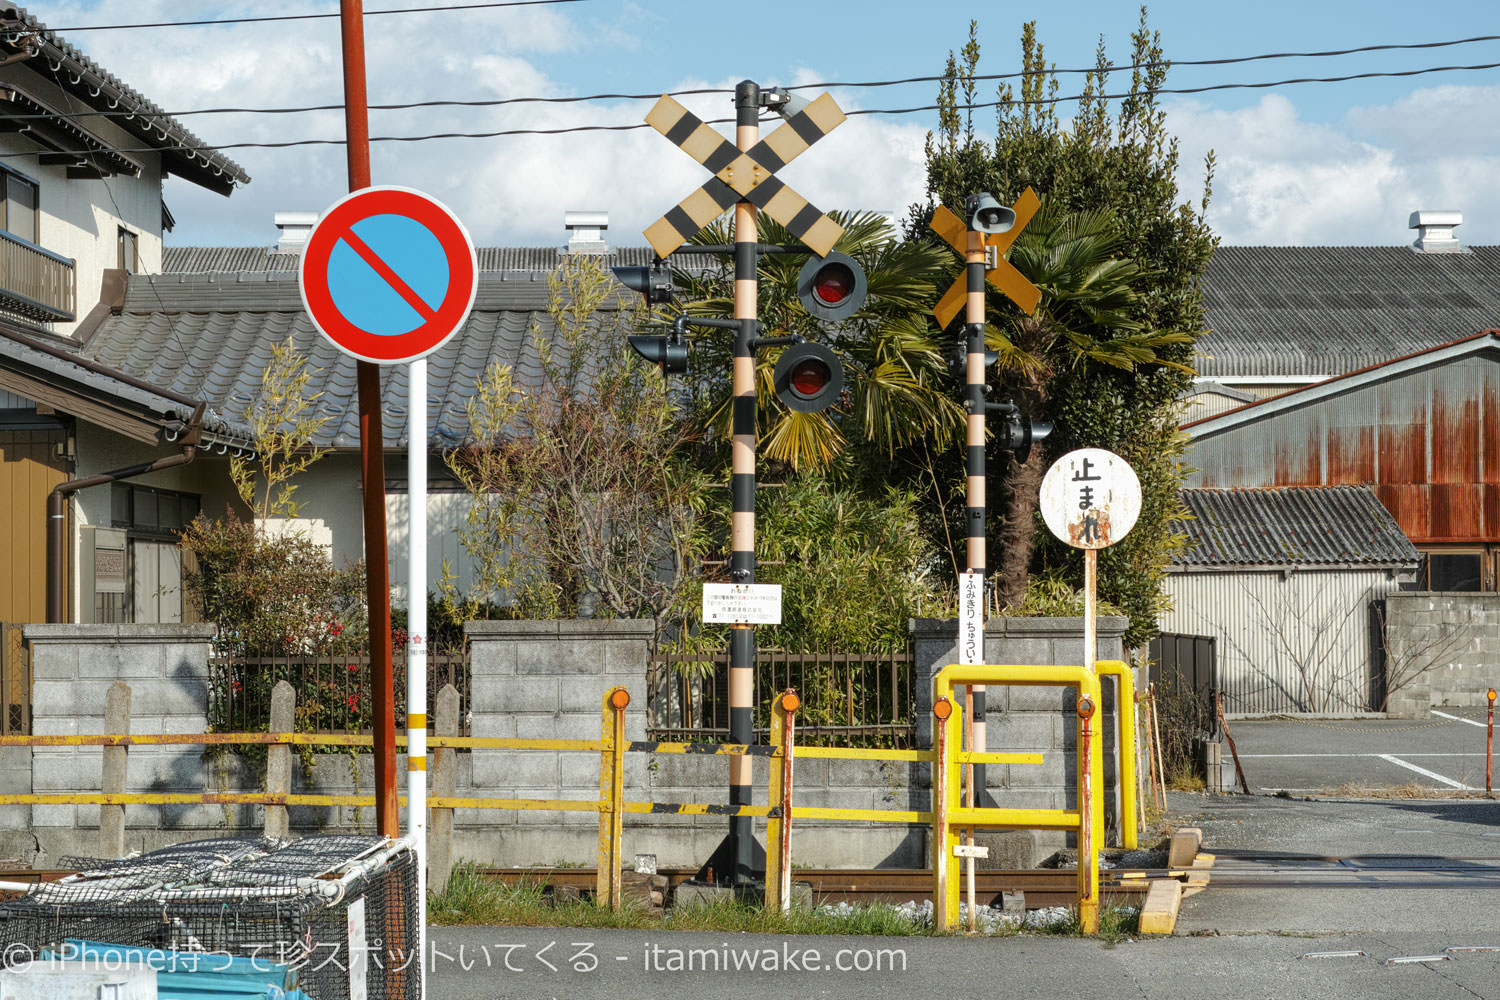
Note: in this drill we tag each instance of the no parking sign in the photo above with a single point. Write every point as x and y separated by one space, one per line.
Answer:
388 274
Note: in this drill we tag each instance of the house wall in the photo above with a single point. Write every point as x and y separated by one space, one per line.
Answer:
81 218
1294 641
1442 650
1427 442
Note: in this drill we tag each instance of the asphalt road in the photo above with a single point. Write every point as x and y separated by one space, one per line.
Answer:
1446 750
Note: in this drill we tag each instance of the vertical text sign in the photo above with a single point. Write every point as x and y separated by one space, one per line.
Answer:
971 618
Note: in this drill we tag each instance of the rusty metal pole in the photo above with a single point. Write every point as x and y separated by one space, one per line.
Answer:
941 710
372 454
1088 859
1489 747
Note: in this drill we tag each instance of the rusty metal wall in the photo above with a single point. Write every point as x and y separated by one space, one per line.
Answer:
1428 443
1293 642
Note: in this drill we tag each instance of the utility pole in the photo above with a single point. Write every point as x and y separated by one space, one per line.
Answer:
372 454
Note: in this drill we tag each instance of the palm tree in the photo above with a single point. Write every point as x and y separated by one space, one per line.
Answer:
894 366
1086 317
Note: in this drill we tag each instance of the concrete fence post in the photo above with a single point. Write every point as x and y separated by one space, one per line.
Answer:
444 783
112 778
279 758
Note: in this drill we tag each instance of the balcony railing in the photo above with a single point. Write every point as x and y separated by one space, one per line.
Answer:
36 283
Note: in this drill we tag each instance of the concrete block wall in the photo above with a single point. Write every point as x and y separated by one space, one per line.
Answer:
537 680
1440 649
73 667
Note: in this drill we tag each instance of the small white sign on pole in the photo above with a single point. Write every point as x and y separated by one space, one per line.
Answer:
970 617
742 603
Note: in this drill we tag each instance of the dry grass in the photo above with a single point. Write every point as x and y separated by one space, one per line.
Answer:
1410 790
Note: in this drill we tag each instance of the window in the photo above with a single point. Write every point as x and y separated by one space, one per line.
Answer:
145 510
1450 570
18 206
130 259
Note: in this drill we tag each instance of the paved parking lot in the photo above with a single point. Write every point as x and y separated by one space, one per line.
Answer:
1306 756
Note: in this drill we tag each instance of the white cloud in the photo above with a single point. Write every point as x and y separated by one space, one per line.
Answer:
1283 180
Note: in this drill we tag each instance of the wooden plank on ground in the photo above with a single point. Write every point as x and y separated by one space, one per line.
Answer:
1184 848
1159 911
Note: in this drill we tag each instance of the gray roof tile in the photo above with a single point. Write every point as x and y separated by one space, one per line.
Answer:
1292 526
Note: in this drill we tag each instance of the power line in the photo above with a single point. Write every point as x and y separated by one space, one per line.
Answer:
304 17
720 121
651 96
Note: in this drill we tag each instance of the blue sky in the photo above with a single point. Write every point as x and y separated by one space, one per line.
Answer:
1341 163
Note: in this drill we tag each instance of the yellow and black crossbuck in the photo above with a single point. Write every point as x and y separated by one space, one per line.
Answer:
750 175
1003 275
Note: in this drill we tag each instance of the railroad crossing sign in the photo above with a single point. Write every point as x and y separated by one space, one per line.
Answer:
1002 275
749 175
388 274
1091 498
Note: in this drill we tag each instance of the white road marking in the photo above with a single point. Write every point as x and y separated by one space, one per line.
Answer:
1423 771
1458 718
1245 756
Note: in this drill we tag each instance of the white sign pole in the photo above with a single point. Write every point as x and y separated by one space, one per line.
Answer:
416 641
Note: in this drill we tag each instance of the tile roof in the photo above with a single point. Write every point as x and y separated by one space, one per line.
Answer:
183 153
209 336
201 260
1322 311
1308 526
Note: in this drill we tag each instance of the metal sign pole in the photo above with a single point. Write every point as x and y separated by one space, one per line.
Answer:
416 641
372 454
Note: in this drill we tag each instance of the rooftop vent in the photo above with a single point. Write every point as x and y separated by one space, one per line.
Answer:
1435 231
586 231
295 228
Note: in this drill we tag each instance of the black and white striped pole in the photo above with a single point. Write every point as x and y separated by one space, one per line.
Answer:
982 216
808 377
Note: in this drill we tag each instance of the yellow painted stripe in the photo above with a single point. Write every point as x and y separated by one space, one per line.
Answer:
1015 286
665 113
692 809
860 815
1037 819
977 757
703 143
851 753
416 720
951 228
549 805
825 113
822 236
663 237
416 763
952 301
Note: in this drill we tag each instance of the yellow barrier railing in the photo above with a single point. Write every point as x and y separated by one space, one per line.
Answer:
946 815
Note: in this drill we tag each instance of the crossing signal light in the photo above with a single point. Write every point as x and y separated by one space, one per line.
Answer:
831 288
669 352
809 378
654 282
1018 432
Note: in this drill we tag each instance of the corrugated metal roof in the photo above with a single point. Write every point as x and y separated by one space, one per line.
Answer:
1294 526
1322 311
183 153
209 336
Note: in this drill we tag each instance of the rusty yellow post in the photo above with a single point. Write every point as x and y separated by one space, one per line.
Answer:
779 827
1126 743
942 851
611 796
1088 844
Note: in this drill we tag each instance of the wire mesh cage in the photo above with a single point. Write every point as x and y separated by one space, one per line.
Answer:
340 912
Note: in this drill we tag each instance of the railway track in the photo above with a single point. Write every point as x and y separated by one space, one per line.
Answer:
1042 886
1269 870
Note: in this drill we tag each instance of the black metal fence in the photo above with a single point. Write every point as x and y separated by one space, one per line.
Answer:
848 699
333 691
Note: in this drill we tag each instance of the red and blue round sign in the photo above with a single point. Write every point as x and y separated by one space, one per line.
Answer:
388 274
